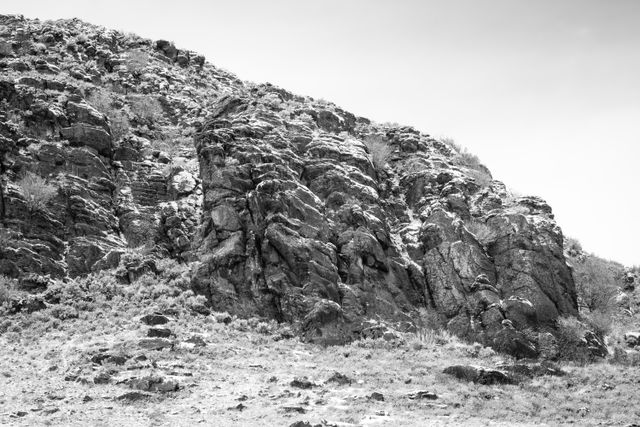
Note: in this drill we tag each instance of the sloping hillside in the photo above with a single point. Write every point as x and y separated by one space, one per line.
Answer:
285 206
178 246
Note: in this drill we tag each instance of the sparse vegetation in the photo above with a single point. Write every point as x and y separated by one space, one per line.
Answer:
146 107
596 285
570 334
118 121
5 48
379 150
470 161
171 141
36 191
136 61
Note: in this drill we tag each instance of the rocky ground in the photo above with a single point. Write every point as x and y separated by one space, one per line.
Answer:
285 206
148 353
178 246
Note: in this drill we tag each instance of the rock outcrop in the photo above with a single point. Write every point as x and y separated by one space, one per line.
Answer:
286 207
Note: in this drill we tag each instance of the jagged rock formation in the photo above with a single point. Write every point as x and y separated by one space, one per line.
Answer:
291 210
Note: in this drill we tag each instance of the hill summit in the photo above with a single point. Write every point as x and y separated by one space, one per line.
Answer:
118 152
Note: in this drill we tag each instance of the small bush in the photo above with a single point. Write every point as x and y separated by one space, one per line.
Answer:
136 61
36 191
599 322
464 157
5 48
7 289
171 141
145 106
379 151
118 121
119 124
572 245
570 333
595 285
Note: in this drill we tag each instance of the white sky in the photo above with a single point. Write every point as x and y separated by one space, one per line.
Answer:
546 92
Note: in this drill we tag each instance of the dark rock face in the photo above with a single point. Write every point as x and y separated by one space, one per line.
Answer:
299 225
281 209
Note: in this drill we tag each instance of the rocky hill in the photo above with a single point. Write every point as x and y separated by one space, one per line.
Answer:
117 152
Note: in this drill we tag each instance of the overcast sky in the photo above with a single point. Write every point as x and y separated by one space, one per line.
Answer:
546 92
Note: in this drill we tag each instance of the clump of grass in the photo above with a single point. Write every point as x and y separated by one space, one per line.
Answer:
595 285
146 107
7 290
118 121
171 141
136 61
468 160
5 48
379 150
36 191
570 333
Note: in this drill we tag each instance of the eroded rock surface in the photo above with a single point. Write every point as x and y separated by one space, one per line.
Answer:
282 204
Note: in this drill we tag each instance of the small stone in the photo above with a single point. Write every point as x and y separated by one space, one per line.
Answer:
134 396
339 378
379 397
423 395
302 382
86 399
238 407
19 414
102 378
305 424
290 409
155 343
155 319
197 341
159 332
50 410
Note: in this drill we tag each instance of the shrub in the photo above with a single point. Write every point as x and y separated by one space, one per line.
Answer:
570 333
572 245
379 151
36 191
145 106
5 48
118 121
599 322
595 285
136 61
119 124
170 140
7 289
464 157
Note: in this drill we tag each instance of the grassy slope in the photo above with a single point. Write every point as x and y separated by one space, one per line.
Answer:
245 358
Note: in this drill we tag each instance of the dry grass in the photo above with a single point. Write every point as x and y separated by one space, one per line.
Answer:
379 150
245 362
36 191
118 120
146 107
136 61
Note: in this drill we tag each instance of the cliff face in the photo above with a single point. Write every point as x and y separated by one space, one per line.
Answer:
284 206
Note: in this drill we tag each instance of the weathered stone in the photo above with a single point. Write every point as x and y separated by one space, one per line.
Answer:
155 319
155 343
159 332
479 375
92 136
